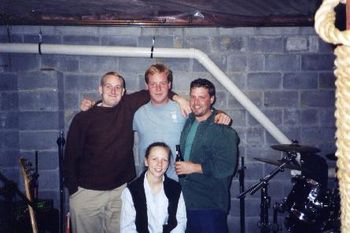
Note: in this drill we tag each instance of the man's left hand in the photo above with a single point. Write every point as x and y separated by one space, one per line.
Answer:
222 118
187 167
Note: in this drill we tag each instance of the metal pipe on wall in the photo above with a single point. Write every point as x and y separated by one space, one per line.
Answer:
116 51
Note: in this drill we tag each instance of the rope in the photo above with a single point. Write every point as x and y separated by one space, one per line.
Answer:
325 24
342 115
325 27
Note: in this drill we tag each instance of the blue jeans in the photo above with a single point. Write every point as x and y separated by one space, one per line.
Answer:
206 221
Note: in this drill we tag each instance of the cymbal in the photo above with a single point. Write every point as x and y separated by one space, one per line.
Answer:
278 163
294 147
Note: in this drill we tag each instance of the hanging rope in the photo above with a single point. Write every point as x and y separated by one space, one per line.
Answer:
325 27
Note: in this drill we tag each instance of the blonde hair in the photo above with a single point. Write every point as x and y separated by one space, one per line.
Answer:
158 69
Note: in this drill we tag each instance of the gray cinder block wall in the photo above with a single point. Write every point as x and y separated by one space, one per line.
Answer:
287 72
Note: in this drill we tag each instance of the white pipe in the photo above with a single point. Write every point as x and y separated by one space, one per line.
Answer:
241 97
158 52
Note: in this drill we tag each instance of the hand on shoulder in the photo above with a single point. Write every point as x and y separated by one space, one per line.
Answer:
86 104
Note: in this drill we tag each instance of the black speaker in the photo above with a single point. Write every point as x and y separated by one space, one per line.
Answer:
17 219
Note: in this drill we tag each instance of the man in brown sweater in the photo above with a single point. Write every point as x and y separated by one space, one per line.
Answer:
99 157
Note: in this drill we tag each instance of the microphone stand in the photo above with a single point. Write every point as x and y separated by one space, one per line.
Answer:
241 200
264 224
60 143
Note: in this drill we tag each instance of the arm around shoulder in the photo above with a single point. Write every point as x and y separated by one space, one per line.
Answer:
137 99
183 103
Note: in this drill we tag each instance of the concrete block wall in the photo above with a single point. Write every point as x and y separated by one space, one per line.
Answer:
286 72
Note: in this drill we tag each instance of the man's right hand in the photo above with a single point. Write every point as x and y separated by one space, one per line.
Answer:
184 105
86 104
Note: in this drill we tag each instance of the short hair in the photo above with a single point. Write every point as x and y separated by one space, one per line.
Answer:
102 82
158 69
205 83
160 144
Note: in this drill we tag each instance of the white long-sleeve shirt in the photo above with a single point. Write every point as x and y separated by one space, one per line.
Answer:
157 211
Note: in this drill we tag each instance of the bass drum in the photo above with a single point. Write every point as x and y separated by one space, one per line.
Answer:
331 231
306 206
332 224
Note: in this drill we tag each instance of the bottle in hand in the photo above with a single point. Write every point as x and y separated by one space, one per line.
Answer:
179 157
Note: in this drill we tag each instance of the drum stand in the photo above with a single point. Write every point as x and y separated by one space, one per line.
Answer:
241 175
263 224
275 226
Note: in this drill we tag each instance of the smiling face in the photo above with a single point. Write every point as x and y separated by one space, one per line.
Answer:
158 86
157 161
200 102
111 90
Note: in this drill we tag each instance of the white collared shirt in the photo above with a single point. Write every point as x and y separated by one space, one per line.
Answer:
157 211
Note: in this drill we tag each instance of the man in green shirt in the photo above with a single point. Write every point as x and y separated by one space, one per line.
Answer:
211 155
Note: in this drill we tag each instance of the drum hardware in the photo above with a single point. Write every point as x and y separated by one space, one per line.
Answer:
331 156
275 226
241 175
295 147
332 223
293 166
311 209
263 224
310 206
303 201
332 172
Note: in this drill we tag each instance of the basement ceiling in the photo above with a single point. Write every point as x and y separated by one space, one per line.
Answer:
223 13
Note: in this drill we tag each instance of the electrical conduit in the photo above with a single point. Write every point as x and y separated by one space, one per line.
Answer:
116 51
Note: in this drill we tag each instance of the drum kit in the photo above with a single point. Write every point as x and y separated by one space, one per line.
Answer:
310 206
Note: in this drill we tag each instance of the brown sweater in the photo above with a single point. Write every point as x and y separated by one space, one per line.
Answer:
99 149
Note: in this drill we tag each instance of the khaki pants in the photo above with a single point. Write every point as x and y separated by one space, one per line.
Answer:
95 211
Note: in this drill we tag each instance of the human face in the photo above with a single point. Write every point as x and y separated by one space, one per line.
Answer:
157 161
158 87
111 91
200 102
